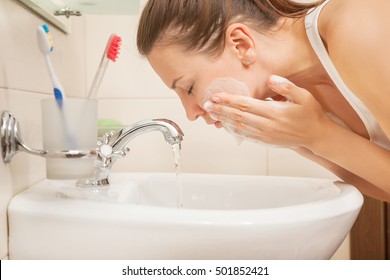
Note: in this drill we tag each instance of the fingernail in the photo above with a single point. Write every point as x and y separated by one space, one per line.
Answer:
216 99
278 80
213 116
208 106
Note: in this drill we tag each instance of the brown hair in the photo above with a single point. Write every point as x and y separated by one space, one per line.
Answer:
200 25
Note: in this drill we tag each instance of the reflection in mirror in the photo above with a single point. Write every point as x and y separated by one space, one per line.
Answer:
61 23
102 7
57 12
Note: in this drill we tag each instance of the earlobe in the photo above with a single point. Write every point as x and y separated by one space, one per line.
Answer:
250 57
240 40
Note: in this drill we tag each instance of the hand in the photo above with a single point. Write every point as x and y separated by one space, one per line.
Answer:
298 122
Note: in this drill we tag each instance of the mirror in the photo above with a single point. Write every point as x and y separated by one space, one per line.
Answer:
57 12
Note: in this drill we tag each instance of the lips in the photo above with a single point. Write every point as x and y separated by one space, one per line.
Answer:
218 124
210 121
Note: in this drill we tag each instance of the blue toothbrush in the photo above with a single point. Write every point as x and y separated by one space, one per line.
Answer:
45 43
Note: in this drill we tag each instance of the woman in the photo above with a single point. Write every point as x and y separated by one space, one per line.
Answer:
325 65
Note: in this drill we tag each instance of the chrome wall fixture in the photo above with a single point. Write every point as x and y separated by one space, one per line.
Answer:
67 11
111 146
11 142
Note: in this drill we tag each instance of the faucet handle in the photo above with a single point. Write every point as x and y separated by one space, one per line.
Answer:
105 151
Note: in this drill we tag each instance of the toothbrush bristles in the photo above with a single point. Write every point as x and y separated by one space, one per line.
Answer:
114 47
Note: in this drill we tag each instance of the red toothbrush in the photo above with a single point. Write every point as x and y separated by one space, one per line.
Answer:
110 53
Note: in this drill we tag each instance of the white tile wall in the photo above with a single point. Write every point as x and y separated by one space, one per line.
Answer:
22 64
285 162
130 92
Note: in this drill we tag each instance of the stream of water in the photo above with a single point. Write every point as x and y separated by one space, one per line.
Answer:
179 182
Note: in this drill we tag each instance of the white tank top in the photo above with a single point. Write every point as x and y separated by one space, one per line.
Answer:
375 132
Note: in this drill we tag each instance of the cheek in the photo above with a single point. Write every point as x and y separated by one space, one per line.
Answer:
202 95
222 68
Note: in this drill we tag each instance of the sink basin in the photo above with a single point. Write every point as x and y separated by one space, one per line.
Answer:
223 217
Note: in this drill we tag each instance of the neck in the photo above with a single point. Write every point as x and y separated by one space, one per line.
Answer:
298 61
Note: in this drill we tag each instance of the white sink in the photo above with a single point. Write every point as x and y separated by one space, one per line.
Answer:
224 217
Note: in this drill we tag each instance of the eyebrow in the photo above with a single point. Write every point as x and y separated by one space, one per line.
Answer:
173 86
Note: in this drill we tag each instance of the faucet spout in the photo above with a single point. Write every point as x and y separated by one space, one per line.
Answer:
170 130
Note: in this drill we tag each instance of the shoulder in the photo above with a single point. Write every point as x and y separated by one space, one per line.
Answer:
349 18
357 36
355 25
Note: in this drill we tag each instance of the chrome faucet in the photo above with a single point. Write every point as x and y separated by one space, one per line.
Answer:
114 145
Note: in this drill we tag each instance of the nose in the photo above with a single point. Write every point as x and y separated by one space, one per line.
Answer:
194 112
192 107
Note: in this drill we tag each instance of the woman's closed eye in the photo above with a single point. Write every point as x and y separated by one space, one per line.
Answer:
190 90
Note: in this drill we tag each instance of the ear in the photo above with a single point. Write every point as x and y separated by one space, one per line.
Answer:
240 40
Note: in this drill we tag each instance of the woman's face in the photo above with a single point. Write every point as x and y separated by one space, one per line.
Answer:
189 74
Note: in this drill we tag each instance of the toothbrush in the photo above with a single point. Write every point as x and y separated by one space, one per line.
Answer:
45 43
110 53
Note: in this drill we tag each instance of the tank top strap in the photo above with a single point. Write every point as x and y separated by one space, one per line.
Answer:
374 130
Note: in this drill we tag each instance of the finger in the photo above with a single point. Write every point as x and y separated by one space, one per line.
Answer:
243 128
257 137
224 101
252 131
243 121
286 88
